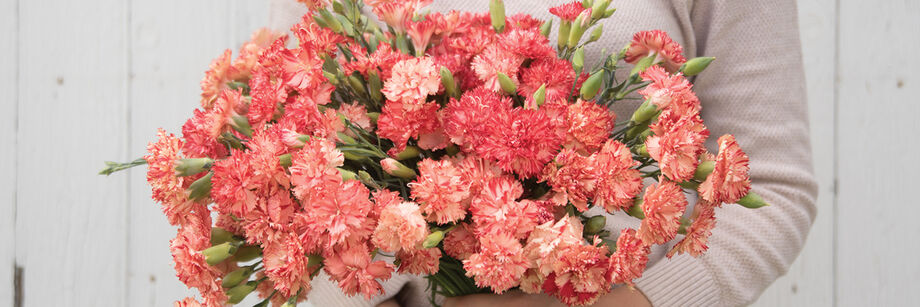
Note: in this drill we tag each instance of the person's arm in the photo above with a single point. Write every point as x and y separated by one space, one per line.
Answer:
755 90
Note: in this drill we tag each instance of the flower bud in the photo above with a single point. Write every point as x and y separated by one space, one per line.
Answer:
643 64
219 235
579 26
596 34
374 84
591 86
314 260
636 210
564 28
285 160
330 21
394 168
636 131
506 84
599 8
236 277
752 201
497 13
238 293
356 84
546 28
587 3
188 167
346 174
373 116
218 253
408 153
703 170
331 78
450 85
241 124
200 188
644 113
609 12
695 66
641 150
684 224
578 59
246 253
540 95
433 239
595 224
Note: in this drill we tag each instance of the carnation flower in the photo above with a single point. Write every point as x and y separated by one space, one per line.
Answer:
694 242
337 213
419 261
198 141
522 141
493 60
234 185
216 78
357 115
578 276
440 190
314 167
477 172
556 74
730 179
353 270
667 52
527 43
398 124
460 242
617 182
304 115
400 226
496 211
193 270
166 187
547 239
630 258
302 69
250 51
420 33
267 93
499 264
677 144
395 14
568 12
589 126
466 120
286 265
316 39
663 204
187 302
271 217
668 91
411 82
572 177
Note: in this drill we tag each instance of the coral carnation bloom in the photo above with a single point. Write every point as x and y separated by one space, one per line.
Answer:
314 167
353 270
579 275
557 74
440 190
694 243
216 78
677 144
460 242
572 177
400 226
569 11
668 91
167 188
399 124
663 205
617 182
547 239
193 270
493 60
496 210
411 82
286 265
730 179
500 263
466 119
522 141
630 259
590 126
668 52
419 262
336 213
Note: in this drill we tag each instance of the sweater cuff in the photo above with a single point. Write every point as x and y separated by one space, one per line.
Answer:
679 281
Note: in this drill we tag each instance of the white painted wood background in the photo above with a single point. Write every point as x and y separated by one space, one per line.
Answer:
83 81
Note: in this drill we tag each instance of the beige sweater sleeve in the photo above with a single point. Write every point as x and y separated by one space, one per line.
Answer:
754 90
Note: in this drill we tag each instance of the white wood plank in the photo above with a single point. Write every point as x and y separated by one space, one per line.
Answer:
169 57
877 150
70 222
9 88
809 282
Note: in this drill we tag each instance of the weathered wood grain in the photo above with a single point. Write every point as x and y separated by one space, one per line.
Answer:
70 229
9 91
877 153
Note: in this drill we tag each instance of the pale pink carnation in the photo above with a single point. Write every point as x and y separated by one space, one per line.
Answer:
412 81
663 205
493 60
497 211
440 190
499 264
400 226
547 239
357 115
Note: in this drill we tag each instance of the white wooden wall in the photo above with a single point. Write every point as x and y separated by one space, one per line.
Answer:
83 81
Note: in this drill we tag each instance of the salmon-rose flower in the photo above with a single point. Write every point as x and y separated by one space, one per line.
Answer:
663 205
499 264
729 180
400 226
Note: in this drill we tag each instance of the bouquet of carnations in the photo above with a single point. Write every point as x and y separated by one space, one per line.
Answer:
464 147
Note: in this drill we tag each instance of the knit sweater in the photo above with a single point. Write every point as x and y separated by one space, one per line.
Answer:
755 90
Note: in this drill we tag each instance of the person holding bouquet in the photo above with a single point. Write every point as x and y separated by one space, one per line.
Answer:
755 90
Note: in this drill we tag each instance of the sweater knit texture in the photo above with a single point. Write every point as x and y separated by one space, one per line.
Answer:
755 90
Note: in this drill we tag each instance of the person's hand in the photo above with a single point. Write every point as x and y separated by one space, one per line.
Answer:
622 296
